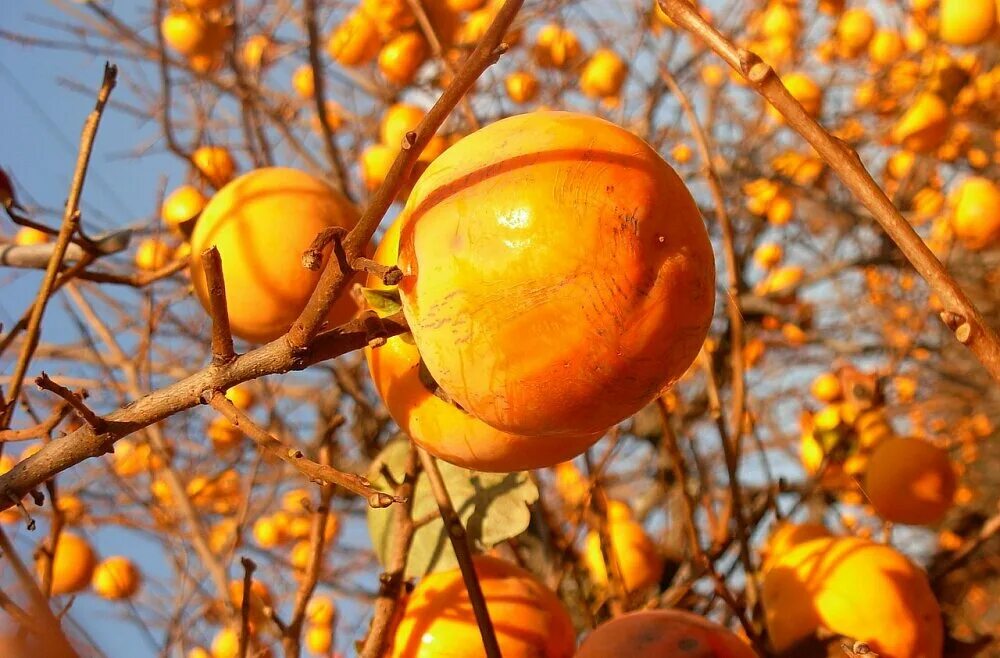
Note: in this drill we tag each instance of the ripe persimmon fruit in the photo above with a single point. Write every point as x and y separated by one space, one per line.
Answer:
662 633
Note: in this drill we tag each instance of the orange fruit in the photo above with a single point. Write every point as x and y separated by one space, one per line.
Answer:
440 427
72 564
152 254
886 47
855 588
390 15
663 633
185 32
400 59
967 22
258 52
826 387
116 578
267 287
321 610
603 74
780 20
303 82
522 87
27 236
556 47
924 125
854 30
215 164
529 619
786 536
267 532
182 207
768 255
804 90
976 212
910 481
622 338
638 559
355 41
318 639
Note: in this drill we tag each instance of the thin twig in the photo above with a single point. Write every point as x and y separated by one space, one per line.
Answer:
391 581
71 219
845 162
41 429
463 553
333 280
248 568
312 470
75 400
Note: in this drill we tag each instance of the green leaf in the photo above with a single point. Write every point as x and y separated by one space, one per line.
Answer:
384 301
493 507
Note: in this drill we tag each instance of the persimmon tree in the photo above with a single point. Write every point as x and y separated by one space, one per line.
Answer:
473 326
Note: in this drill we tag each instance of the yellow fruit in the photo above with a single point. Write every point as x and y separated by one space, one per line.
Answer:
900 163
226 644
376 161
199 652
640 564
523 382
713 75
27 236
464 5
131 459
116 578
603 74
267 532
334 118
400 59
967 22
182 207
71 508
886 47
975 218
782 281
321 610
72 564
185 32
556 47
205 5
570 483
215 163
853 588
355 41
826 387
854 30
241 396
303 82
258 52
398 120
318 639
152 254
786 535
390 15
529 619
910 481
522 87
261 223
768 255
924 125
779 20
223 434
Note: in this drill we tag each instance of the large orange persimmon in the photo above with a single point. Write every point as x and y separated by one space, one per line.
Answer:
557 273
661 633
72 564
440 427
910 481
261 223
855 588
529 619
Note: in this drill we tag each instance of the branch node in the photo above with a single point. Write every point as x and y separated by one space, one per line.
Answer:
409 139
312 258
390 275
95 422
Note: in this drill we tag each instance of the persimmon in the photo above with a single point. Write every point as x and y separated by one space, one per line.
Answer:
267 532
303 82
27 236
464 5
321 610
603 74
854 30
71 508
855 588
389 15
258 52
185 32
355 41
975 216
886 47
924 125
556 47
522 86
116 578
631 548
622 337
205 5
334 117
910 481
661 633
804 90
399 60
767 255
682 153
223 434
181 208
786 536
826 387
267 287
72 564
318 639
440 427
967 22
376 161
152 254
215 164
779 20
529 619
